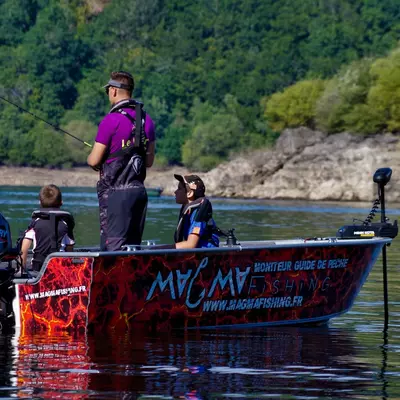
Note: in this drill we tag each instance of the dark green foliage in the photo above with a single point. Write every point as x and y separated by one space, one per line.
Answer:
52 57
170 146
216 132
200 67
16 18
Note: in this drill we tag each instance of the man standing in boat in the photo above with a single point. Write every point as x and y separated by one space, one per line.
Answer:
124 147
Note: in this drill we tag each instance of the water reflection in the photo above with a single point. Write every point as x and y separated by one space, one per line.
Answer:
292 362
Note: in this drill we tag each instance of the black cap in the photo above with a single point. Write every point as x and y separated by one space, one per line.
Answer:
117 84
195 183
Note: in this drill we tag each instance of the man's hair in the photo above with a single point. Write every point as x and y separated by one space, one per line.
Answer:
125 78
50 196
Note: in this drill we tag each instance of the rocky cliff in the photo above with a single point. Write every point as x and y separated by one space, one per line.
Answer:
309 165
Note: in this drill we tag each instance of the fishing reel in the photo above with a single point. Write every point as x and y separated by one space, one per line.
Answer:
368 229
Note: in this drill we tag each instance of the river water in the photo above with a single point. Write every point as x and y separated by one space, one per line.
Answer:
351 358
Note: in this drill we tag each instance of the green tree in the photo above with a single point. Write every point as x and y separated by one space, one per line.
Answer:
16 18
212 141
15 144
187 56
382 20
348 89
92 102
78 151
52 58
295 106
335 36
384 95
170 146
47 147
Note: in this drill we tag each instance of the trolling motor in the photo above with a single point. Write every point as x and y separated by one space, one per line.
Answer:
369 229
382 229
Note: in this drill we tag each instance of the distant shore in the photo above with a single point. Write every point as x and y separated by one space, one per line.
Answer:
77 177
303 165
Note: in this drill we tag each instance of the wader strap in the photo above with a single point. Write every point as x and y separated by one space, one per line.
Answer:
138 132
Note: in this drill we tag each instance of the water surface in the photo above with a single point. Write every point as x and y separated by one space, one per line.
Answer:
351 358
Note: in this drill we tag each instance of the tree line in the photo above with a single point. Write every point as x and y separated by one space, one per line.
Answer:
217 76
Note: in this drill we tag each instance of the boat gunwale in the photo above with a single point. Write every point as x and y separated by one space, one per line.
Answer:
245 245
259 245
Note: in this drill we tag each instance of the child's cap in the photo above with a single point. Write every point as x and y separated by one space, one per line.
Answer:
194 182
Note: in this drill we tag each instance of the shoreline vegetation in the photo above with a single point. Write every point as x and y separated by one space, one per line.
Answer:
254 93
304 164
217 78
76 177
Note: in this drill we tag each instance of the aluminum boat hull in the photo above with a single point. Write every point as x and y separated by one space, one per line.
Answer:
252 284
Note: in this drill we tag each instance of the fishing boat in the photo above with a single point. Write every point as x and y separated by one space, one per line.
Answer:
240 284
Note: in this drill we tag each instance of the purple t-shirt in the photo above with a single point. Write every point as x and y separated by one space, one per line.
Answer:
115 130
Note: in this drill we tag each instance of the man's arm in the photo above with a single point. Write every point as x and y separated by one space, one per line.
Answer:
95 158
150 154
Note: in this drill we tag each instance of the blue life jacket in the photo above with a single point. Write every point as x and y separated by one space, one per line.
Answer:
199 210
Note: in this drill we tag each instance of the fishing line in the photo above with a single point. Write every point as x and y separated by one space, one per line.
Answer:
48 123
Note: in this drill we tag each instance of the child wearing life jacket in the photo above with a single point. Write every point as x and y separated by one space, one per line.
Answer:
196 227
50 230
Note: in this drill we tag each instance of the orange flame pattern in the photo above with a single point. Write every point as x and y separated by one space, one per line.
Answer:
59 300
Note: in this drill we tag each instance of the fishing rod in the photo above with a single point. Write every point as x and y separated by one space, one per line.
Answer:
48 123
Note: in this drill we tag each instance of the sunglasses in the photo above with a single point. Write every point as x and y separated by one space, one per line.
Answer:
107 89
